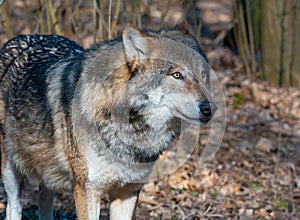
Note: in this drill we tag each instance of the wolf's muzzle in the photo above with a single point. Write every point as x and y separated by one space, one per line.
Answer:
207 109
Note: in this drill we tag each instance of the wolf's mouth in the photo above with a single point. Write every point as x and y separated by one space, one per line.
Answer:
196 121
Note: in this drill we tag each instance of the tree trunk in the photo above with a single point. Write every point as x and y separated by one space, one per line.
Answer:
280 42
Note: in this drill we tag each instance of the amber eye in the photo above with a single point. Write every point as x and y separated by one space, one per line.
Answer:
177 75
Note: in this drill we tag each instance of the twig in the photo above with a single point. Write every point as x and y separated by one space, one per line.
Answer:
238 35
149 201
102 25
222 35
51 19
245 40
74 20
40 22
204 214
109 20
116 17
95 20
6 19
251 37
67 4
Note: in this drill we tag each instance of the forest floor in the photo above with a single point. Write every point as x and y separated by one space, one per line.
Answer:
255 173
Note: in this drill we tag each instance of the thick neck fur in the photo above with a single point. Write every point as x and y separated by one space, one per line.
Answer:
138 128
138 140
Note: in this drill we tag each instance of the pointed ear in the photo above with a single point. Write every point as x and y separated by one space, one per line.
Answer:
136 44
184 28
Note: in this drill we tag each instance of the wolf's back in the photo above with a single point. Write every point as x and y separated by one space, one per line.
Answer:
24 63
22 54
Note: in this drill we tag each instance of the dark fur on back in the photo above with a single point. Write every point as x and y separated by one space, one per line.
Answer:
25 54
26 65
25 62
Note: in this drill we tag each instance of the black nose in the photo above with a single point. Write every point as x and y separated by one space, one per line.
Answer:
207 108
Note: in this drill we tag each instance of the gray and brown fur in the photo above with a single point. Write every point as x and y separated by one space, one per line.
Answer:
61 115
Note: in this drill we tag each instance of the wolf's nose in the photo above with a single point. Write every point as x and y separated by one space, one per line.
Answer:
207 108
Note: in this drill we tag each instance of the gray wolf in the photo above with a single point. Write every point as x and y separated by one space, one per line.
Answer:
93 121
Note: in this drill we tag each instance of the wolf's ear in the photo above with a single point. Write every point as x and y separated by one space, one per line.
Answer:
184 28
136 44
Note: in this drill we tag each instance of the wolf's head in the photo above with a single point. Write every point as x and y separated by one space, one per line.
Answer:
169 75
134 88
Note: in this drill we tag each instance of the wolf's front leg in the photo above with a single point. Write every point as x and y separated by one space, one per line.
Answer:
123 202
87 202
11 179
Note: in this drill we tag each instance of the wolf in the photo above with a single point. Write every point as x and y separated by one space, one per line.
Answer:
94 121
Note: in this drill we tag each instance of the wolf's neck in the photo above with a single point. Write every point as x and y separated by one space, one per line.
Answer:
140 140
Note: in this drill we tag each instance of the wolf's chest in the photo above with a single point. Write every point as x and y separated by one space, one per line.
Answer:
106 169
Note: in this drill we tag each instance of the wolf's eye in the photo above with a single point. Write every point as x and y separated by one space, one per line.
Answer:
177 75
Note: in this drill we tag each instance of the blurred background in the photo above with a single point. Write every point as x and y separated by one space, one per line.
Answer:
254 48
263 33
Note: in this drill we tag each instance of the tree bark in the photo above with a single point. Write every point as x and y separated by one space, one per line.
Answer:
280 45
